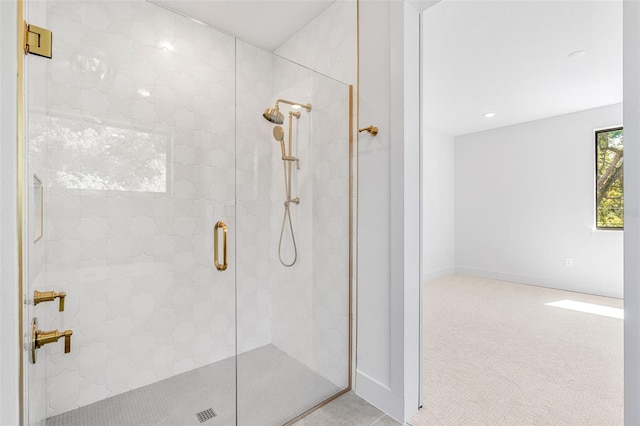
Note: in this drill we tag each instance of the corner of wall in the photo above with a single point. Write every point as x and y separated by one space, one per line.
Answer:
327 44
438 207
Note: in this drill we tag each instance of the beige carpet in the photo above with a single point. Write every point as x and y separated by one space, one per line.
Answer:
494 354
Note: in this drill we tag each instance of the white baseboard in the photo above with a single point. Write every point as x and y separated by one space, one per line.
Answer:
540 282
380 396
439 273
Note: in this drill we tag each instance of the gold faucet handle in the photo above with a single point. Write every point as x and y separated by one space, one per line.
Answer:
61 297
45 337
67 338
49 296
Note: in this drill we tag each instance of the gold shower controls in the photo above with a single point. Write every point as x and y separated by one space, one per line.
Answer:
40 338
49 296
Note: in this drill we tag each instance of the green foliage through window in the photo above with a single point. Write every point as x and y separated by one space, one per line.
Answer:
609 179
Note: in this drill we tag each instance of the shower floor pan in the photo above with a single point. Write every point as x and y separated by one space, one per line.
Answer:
273 388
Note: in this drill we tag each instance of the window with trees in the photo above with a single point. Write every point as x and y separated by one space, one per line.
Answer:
609 179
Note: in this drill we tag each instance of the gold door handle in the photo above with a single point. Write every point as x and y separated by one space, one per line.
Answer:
40 338
49 296
220 266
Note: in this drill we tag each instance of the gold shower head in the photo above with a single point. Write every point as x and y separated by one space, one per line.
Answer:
273 115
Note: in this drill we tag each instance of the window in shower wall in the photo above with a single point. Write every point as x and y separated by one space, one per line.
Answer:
105 157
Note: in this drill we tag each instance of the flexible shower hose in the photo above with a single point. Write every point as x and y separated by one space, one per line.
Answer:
286 167
287 214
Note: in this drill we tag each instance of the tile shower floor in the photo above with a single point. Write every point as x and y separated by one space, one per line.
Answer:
273 388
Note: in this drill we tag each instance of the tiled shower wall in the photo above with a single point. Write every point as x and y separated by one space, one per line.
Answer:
141 164
310 300
291 313
255 149
326 44
330 182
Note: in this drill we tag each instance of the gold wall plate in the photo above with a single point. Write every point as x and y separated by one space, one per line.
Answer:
34 336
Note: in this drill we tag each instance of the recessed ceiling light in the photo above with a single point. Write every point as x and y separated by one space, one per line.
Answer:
577 54
489 114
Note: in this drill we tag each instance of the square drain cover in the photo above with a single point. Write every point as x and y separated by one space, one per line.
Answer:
205 415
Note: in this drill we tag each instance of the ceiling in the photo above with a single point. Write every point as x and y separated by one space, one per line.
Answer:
266 23
511 58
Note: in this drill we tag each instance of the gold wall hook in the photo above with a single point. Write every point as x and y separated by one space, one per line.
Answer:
49 296
372 130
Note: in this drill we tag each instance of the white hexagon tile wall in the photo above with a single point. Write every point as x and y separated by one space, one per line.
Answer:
141 122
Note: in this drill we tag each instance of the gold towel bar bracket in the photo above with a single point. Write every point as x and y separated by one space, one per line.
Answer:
372 130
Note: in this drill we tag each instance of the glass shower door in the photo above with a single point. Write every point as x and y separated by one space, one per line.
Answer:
130 162
292 209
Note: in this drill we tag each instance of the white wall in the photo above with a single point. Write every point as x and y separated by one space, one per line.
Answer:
438 226
9 347
374 198
388 208
524 197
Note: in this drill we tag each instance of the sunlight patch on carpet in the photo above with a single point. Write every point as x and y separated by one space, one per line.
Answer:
589 308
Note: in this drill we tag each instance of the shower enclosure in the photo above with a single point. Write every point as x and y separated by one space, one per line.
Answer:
145 143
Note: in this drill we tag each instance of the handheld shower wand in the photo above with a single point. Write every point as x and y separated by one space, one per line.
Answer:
278 134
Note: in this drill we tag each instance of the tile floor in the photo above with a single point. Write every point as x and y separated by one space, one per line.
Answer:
348 410
272 389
